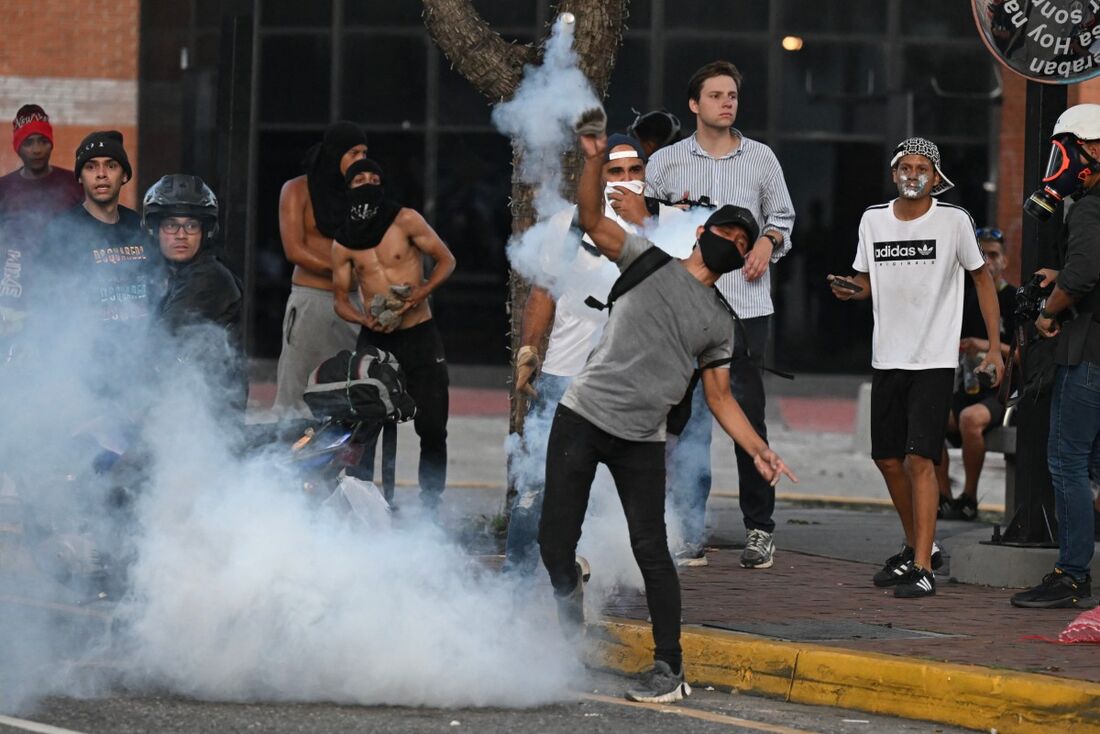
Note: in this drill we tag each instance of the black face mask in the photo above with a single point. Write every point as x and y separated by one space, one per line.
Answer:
719 254
1065 176
368 218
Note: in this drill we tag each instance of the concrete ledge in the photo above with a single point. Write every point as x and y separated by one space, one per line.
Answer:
962 695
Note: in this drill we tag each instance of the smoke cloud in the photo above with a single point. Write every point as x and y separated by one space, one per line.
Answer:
237 585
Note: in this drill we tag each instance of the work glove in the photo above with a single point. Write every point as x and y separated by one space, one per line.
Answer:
527 363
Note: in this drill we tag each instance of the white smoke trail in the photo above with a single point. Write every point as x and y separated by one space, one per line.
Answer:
539 119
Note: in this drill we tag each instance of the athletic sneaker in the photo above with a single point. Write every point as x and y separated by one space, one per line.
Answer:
1057 590
963 507
691 556
899 565
571 606
759 550
946 507
920 582
660 685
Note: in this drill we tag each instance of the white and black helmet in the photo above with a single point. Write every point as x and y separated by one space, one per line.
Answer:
180 195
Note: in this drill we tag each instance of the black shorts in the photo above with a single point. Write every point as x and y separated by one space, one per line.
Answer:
909 412
960 401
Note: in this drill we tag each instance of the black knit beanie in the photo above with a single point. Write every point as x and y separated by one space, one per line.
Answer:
103 144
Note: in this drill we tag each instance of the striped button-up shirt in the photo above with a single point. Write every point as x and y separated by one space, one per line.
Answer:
750 177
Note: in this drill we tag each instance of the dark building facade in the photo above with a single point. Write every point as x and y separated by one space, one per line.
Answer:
238 90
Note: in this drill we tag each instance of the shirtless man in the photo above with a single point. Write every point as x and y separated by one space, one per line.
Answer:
311 207
381 246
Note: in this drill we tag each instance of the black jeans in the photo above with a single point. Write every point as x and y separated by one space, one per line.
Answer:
574 449
419 351
757 495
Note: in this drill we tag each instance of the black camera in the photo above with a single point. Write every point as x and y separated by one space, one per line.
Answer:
1030 297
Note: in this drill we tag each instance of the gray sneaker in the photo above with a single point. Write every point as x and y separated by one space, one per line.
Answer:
571 606
691 556
759 550
660 685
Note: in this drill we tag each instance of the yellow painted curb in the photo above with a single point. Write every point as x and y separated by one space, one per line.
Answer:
893 685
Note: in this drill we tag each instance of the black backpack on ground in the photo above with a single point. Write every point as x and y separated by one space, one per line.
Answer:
644 266
364 385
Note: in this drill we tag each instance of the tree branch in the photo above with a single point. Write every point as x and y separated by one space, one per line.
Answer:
492 65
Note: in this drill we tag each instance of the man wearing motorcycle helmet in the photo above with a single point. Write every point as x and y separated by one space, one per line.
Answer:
1072 313
181 213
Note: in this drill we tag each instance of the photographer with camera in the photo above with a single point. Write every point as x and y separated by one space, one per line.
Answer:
1071 313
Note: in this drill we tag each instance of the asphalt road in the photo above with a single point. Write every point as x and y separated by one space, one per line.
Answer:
599 708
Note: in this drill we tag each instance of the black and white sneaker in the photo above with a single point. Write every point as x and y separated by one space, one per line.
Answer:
920 582
898 566
660 685
759 550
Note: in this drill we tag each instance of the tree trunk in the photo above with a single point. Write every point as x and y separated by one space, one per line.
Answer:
495 67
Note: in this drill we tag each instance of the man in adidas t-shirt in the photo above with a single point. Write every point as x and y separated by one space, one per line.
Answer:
910 260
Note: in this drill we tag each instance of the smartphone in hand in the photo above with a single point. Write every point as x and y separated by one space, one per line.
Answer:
845 284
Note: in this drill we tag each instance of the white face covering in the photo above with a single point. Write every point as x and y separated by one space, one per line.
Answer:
636 186
911 187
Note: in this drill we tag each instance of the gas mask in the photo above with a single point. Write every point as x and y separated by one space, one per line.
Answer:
719 254
1068 167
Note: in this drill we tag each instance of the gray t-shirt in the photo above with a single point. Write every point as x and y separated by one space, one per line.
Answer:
657 334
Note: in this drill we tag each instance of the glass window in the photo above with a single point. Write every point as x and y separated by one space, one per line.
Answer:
629 87
472 216
683 58
383 78
827 87
401 156
295 13
743 15
382 13
951 88
938 19
294 82
506 13
833 16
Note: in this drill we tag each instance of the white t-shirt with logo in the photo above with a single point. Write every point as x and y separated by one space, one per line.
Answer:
916 270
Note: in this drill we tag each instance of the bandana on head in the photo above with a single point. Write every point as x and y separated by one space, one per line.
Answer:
928 149
369 213
327 192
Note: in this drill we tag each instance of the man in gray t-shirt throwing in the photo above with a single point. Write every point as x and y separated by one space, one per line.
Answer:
614 412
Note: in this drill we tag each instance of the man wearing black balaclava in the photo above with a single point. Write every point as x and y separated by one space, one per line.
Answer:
379 251
311 207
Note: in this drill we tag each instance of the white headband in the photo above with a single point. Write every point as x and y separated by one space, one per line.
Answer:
623 154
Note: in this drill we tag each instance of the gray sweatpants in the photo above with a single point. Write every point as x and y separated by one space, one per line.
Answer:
312 332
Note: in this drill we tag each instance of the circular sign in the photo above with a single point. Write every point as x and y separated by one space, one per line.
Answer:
1050 41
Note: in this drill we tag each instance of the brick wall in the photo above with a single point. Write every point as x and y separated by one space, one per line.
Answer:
79 61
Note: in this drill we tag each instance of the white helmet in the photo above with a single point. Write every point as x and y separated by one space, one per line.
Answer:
1082 120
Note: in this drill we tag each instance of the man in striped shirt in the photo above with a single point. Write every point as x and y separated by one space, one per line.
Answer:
718 162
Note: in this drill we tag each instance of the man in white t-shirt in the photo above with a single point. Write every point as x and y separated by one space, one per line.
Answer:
576 328
910 260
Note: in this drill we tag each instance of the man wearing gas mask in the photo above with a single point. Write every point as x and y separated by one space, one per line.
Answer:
379 251
1072 313
574 328
910 260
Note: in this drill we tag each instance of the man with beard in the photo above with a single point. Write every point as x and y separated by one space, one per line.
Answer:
380 248
311 207
910 260
30 197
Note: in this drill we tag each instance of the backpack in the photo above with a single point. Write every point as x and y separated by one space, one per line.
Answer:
644 266
366 384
